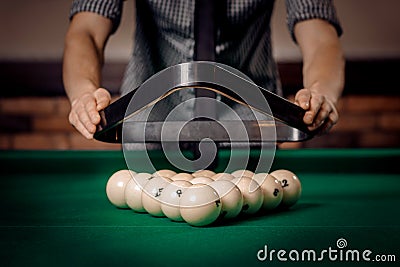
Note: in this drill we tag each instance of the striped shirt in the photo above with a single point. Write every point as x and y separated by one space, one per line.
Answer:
165 34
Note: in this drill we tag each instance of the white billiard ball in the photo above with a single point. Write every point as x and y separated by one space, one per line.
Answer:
231 198
151 195
170 198
271 188
241 173
200 205
133 191
203 173
252 194
115 187
201 180
291 187
164 173
223 176
183 176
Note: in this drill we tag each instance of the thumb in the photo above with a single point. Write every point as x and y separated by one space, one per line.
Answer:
303 98
103 98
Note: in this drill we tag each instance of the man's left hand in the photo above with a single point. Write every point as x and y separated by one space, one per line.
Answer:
321 112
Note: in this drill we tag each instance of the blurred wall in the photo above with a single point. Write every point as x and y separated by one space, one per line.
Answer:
34 30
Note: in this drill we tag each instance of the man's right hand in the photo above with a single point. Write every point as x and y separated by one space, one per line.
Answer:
84 114
83 58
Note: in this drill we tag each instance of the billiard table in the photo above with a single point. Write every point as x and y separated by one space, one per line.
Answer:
55 212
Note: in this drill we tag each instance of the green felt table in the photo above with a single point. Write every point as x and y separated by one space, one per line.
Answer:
54 212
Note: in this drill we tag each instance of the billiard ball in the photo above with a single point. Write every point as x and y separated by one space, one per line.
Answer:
151 195
182 177
170 199
201 180
252 194
203 173
164 173
241 173
223 176
115 187
291 187
271 188
200 205
133 191
231 198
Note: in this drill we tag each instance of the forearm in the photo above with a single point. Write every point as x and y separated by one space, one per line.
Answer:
325 68
82 65
85 41
323 61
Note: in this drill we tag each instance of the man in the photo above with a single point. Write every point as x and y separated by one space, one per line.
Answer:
164 37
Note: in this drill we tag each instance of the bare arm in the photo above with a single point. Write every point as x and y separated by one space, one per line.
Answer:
323 73
85 40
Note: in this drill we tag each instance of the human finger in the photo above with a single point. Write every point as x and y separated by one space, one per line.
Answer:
322 116
315 105
81 109
303 98
103 98
89 104
74 120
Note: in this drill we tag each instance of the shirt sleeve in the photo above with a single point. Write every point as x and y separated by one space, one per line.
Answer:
111 9
300 10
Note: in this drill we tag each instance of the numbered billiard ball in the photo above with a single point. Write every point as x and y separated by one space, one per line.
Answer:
291 187
133 191
241 173
231 198
115 188
164 173
201 180
151 195
203 173
223 176
170 198
183 176
272 190
252 194
200 205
